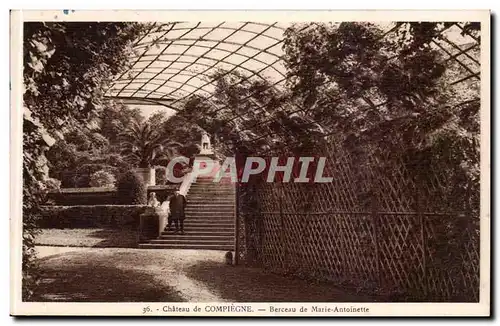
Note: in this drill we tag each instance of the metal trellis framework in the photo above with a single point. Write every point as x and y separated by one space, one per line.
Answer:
177 60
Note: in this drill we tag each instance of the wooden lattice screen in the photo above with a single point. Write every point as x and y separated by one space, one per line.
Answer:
375 227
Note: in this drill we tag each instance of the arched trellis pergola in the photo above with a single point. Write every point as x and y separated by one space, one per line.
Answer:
175 61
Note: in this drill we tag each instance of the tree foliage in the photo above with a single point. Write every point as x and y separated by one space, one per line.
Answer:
96 145
66 66
394 93
387 91
144 145
114 119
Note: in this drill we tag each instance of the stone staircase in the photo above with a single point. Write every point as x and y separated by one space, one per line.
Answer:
209 222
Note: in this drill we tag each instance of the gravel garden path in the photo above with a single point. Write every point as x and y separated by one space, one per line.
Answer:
158 275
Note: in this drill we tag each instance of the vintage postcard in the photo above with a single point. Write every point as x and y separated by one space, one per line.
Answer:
259 163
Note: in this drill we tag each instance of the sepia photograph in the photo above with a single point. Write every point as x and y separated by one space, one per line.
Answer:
199 167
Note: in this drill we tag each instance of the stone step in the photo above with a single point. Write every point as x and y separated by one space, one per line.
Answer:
193 229
221 183
215 210
203 200
209 217
210 196
227 218
206 219
213 199
216 221
193 241
211 193
211 182
206 214
199 217
203 193
203 233
211 189
186 246
196 237
212 206
209 186
227 213
208 225
209 212
212 227
210 202
210 178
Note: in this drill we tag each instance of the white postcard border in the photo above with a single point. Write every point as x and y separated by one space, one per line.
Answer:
128 309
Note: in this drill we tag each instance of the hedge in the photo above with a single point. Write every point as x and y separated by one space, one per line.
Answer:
101 195
88 216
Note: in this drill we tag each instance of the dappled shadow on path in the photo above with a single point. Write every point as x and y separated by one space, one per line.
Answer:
247 284
95 277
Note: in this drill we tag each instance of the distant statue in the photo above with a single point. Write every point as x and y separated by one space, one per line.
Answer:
153 201
206 148
205 141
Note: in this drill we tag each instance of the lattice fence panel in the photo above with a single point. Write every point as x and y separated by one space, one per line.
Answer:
370 228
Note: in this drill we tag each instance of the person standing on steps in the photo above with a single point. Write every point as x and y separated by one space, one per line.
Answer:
177 207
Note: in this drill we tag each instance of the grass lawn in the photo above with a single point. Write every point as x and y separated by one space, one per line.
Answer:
100 238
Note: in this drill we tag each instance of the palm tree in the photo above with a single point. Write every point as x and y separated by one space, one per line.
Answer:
143 145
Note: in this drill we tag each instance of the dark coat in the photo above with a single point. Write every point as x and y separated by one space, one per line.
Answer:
177 205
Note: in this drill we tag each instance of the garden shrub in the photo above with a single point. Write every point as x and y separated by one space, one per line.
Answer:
82 181
131 189
101 195
52 184
102 179
82 176
91 216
